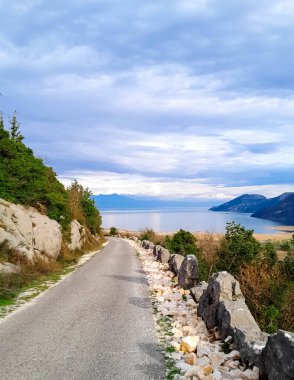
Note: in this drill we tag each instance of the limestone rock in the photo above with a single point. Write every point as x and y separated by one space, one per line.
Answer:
9 268
175 263
163 255
191 358
28 232
151 246
250 344
221 286
189 343
156 250
78 235
235 314
278 356
198 290
188 275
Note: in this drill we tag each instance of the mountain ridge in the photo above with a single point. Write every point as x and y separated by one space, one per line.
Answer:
280 208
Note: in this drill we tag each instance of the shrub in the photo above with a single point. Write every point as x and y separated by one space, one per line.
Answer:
237 248
182 243
270 254
113 231
148 234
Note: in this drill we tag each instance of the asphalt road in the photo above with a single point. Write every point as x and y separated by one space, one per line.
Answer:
96 324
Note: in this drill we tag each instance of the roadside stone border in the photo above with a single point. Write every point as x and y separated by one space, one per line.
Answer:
213 334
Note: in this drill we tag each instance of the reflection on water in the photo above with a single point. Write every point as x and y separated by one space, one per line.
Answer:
193 219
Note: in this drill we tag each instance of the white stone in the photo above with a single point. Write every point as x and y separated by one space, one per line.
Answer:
189 343
77 235
9 268
28 232
184 367
217 375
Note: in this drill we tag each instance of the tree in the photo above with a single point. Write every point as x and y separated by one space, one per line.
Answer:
15 132
237 248
82 207
1 122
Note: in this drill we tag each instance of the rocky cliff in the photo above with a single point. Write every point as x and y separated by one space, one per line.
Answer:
30 234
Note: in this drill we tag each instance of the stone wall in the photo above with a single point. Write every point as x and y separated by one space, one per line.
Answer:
222 307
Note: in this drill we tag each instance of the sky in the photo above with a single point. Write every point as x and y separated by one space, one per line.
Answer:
165 98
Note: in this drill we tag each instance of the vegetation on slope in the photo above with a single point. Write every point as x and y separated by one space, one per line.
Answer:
25 179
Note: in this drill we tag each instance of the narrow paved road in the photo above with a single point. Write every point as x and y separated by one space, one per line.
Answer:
96 324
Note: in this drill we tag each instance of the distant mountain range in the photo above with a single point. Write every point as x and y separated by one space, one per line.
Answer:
279 209
121 202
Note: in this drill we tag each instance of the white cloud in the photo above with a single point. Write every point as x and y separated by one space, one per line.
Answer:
135 184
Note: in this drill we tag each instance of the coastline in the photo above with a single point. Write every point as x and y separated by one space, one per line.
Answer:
285 233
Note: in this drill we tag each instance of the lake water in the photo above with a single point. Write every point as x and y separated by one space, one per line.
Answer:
171 220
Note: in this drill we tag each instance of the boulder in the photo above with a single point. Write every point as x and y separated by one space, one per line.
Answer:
8 268
188 275
222 286
151 246
163 255
235 314
250 345
28 232
146 244
235 320
197 291
278 357
77 235
156 250
175 263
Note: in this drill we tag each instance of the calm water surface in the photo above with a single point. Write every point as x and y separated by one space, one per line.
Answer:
170 220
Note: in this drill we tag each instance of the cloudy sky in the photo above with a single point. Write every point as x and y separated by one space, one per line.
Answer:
171 98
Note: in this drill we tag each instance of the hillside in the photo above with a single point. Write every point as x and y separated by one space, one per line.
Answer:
279 209
26 180
283 211
245 203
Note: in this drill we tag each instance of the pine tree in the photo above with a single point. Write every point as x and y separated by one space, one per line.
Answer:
1 122
15 132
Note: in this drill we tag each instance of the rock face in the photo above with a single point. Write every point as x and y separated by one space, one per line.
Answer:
28 232
77 235
188 275
221 287
156 250
278 357
163 255
175 263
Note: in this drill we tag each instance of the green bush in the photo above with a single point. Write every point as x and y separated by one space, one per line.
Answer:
182 243
237 248
113 231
